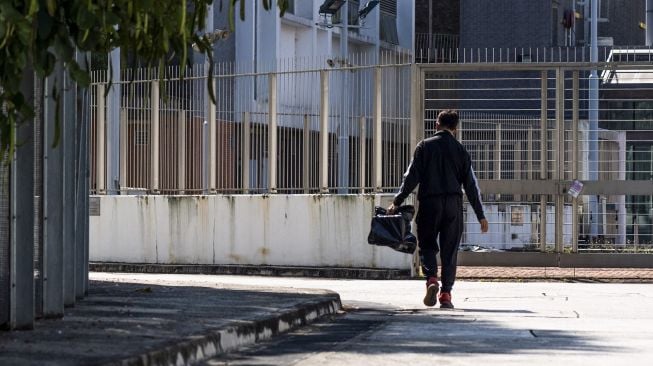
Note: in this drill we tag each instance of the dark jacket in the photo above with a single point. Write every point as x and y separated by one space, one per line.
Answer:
440 166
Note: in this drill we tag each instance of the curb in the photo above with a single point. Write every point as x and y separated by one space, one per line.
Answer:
196 348
252 270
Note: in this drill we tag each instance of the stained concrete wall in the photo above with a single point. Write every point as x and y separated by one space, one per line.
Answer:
300 230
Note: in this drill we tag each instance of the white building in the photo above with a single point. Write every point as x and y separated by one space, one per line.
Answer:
265 37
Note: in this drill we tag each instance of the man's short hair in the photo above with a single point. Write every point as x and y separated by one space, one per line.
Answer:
448 118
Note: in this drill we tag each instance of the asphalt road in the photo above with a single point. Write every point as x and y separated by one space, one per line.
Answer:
384 323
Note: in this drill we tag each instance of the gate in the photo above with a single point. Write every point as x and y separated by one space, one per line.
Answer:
534 131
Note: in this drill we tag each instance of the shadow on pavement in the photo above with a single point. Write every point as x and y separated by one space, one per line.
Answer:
400 332
121 320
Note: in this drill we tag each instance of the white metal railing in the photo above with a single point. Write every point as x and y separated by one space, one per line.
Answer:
266 132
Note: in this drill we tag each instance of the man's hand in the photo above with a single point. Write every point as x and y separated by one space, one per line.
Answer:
484 225
392 209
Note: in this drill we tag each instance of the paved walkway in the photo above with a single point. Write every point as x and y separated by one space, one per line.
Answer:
136 319
131 322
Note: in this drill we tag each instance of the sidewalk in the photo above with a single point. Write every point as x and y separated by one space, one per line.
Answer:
555 273
135 324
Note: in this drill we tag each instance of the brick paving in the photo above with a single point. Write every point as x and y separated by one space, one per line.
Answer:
554 273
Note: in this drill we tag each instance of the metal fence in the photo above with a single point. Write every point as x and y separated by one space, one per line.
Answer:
44 206
531 132
334 126
302 128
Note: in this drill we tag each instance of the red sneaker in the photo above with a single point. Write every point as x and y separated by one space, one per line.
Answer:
432 288
445 300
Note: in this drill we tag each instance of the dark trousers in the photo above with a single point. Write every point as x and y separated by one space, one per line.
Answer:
440 219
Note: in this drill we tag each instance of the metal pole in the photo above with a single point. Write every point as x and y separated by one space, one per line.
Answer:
343 128
306 155
594 118
73 271
518 168
543 156
21 215
154 138
324 132
559 154
272 134
649 23
213 145
181 152
52 211
205 160
378 131
530 155
84 122
113 123
247 138
123 151
363 152
430 36
574 158
415 111
100 182
497 156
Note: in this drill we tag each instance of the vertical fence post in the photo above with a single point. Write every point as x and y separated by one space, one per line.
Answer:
543 155
378 131
123 150
100 143
416 123
559 153
497 155
306 154
247 142
574 159
21 216
52 210
486 160
324 131
497 152
272 133
85 183
416 134
181 152
362 129
530 155
154 137
518 165
212 130
73 261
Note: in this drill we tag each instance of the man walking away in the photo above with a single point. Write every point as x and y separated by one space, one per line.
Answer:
440 166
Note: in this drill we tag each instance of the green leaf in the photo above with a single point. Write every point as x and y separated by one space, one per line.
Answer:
283 6
230 15
57 116
33 8
182 23
80 76
51 6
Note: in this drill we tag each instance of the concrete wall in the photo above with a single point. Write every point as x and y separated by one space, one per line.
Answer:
300 230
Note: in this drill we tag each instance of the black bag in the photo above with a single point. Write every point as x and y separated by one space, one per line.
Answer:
393 230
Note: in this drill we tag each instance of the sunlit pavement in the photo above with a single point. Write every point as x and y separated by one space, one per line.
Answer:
496 323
